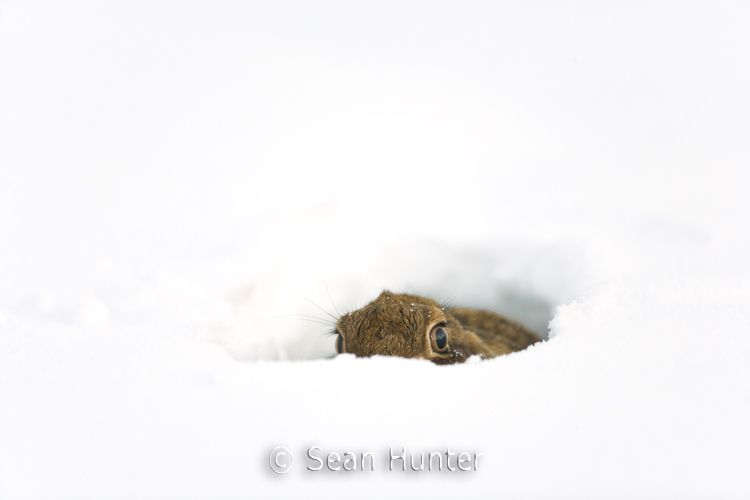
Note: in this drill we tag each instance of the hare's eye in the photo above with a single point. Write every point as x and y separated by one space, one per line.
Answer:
339 344
439 339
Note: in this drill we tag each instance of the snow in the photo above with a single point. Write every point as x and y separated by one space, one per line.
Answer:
182 186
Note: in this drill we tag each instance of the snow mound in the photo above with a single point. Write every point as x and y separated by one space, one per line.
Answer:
190 194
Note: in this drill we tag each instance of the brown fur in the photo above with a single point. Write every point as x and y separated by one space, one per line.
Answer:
400 325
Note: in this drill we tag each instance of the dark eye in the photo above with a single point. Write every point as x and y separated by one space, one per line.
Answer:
439 339
339 344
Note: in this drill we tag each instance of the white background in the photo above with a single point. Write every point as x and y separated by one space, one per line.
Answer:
177 179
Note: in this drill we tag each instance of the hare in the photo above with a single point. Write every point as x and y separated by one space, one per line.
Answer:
416 327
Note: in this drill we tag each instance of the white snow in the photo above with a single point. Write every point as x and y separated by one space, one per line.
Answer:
180 184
